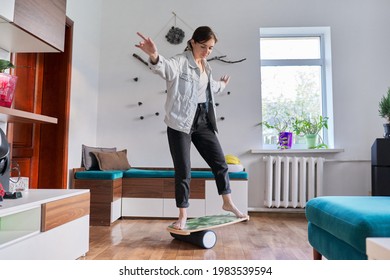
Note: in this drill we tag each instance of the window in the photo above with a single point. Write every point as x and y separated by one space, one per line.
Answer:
295 79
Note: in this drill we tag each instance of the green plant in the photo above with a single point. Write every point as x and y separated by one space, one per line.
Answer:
305 126
311 126
280 124
5 64
384 106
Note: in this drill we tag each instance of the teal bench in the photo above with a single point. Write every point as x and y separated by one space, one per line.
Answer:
150 192
148 173
338 226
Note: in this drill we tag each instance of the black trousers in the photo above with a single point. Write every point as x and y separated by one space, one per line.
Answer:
206 142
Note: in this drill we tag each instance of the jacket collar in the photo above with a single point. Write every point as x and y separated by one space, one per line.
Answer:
192 62
191 59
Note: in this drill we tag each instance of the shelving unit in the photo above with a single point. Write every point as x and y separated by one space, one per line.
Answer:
9 115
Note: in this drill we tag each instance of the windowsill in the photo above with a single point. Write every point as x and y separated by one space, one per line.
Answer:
296 151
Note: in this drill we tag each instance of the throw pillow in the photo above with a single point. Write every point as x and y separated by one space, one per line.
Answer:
113 160
89 160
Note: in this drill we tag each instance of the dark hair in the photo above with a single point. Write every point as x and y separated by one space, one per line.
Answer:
202 34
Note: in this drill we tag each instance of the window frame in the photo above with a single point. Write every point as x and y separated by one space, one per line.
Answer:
325 62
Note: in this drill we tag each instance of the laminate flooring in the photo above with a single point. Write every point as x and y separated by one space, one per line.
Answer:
266 236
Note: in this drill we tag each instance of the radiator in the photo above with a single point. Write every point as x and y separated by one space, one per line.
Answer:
292 181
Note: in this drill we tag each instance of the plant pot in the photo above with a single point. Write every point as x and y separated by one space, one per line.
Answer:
7 89
311 140
285 140
386 127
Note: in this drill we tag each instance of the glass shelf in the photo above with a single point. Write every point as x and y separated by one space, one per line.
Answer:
17 226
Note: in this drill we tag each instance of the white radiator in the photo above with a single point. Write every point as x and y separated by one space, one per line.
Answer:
292 181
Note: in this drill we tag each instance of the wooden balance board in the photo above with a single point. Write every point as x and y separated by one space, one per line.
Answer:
199 230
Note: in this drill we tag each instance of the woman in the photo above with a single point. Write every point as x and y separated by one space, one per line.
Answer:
190 115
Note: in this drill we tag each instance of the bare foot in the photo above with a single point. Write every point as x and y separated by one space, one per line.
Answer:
179 224
234 210
228 205
182 220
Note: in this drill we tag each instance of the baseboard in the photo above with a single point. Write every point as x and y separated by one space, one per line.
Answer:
276 210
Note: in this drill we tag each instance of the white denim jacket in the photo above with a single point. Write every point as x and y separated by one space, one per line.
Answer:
182 77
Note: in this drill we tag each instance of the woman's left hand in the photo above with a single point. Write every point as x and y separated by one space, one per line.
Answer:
225 79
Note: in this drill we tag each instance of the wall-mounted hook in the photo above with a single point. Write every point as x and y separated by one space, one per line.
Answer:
135 79
222 118
157 113
216 104
228 92
141 117
139 103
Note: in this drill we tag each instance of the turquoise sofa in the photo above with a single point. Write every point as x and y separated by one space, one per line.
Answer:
339 225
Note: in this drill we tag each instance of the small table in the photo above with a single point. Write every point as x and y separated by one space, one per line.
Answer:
378 248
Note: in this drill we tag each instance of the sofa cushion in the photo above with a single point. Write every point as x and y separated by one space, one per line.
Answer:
351 218
88 159
112 160
99 175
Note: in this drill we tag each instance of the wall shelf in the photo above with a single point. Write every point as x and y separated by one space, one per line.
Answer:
9 115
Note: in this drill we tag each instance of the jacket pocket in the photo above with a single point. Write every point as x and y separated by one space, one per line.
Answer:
186 83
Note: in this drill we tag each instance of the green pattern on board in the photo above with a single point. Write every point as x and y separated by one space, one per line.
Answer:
208 221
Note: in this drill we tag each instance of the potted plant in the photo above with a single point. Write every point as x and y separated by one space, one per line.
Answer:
384 112
7 84
282 126
310 128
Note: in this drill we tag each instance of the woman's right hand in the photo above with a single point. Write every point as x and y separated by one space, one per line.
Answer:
148 47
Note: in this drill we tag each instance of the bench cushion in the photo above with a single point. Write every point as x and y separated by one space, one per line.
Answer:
146 173
351 218
99 175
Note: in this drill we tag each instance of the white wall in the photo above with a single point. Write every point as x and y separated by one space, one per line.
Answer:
361 64
86 16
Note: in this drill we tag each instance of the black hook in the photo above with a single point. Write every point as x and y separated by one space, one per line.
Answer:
135 79
139 103
157 113
222 118
142 117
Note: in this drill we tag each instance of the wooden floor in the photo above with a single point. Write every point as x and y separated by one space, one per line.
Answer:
267 236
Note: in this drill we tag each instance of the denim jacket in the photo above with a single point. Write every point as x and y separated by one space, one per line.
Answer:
182 78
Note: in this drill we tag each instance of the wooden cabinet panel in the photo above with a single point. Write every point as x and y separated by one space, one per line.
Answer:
197 188
102 191
44 19
25 144
159 188
59 212
144 188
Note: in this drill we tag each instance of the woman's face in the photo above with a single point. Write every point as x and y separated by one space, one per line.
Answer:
202 50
